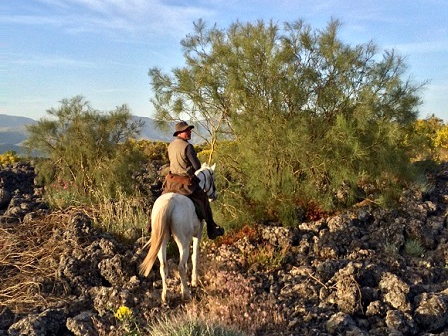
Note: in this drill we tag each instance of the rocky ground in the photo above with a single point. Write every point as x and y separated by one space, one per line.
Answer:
367 271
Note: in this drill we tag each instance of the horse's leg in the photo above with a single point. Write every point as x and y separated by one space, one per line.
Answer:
194 261
184 251
163 268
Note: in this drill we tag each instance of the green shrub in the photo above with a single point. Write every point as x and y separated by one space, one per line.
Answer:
414 248
86 151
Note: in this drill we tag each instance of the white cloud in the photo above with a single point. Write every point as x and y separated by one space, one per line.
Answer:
49 61
118 18
32 20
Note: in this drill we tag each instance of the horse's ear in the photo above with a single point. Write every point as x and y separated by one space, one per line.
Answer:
213 166
204 165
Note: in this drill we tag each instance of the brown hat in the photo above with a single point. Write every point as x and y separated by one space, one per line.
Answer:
181 126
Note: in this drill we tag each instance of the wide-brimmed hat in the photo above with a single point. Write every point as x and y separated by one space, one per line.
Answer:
181 126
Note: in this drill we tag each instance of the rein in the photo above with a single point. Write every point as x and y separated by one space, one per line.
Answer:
211 184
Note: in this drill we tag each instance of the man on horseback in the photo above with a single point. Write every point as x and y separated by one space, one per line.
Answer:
181 178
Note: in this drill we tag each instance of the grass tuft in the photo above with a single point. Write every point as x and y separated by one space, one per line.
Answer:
414 248
187 325
123 216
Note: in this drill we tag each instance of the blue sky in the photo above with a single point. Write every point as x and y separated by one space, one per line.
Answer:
56 49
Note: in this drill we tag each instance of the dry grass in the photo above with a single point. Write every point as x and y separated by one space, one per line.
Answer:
189 323
236 312
227 299
246 231
124 217
267 258
30 257
28 260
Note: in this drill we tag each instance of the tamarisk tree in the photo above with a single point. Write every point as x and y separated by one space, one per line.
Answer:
85 148
311 117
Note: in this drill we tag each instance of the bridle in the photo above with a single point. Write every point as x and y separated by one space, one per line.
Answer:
207 182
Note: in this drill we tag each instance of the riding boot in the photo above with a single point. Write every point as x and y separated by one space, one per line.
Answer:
201 197
213 230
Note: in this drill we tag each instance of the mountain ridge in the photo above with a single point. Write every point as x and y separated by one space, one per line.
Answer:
13 131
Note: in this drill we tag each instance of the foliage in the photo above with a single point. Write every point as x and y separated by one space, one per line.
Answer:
152 150
205 153
63 194
311 118
425 137
414 248
195 92
267 258
9 157
441 142
441 139
87 151
428 139
234 205
337 120
124 215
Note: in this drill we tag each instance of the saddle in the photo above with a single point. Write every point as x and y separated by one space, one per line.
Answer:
184 185
179 184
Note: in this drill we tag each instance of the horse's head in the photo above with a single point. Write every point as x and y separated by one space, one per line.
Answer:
206 175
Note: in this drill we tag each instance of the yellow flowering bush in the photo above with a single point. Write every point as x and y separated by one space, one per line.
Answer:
204 155
123 313
8 157
428 138
128 323
152 150
441 138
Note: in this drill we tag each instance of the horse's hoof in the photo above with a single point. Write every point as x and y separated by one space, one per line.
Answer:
186 297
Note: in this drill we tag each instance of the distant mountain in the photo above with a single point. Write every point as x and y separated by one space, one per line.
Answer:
14 122
13 131
151 132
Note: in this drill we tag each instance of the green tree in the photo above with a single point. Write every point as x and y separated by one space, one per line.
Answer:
86 149
311 117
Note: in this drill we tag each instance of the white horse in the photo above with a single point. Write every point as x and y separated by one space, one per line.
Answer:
175 214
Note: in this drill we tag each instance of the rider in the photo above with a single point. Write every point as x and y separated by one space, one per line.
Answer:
181 178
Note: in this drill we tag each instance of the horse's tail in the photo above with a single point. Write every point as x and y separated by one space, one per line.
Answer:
160 220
